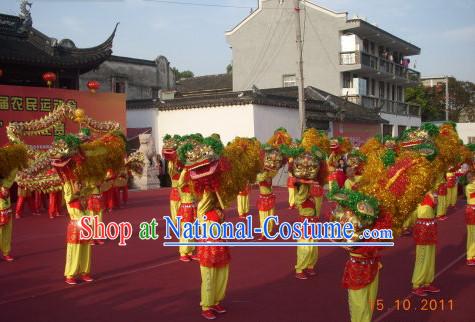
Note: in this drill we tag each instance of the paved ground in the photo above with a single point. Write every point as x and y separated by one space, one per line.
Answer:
145 282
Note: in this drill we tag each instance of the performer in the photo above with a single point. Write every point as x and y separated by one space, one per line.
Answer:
243 202
470 218
169 151
425 236
187 212
94 203
25 195
55 203
6 222
291 188
121 184
350 182
441 185
108 192
266 200
451 187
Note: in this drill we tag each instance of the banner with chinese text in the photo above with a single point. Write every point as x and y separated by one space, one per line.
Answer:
22 103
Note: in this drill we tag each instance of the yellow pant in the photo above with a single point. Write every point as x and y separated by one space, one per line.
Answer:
214 281
291 197
318 205
362 301
307 256
185 250
6 237
424 267
262 216
243 205
452 196
441 205
470 241
174 206
78 259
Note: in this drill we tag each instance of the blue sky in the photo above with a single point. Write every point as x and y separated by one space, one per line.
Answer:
193 37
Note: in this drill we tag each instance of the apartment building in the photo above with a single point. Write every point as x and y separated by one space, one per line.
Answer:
351 58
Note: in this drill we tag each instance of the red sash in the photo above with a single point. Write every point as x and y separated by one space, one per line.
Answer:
470 214
72 235
451 182
291 182
76 204
425 232
214 256
316 190
5 216
442 191
265 183
94 203
187 211
360 272
308 203
266 202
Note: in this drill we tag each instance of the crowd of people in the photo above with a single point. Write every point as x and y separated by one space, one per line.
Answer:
405 184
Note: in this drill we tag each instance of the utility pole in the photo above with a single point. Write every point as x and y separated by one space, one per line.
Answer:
300 80
447 98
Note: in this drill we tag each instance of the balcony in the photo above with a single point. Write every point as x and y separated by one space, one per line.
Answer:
378 66
386 106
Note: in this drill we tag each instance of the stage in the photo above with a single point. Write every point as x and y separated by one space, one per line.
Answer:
144 281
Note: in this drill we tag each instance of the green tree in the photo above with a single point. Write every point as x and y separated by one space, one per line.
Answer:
229 69
183 74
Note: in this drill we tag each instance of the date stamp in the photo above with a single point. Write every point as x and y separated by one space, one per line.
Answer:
413 304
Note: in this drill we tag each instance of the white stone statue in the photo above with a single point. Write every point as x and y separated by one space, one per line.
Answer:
147 148
149 178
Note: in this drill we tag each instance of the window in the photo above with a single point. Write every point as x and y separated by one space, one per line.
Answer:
118 85
366 45
373 48
399 94
347 80
289 80
373 87
471 139
387 129
381 89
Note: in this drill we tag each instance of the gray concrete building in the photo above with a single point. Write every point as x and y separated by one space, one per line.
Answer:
346 57
137 78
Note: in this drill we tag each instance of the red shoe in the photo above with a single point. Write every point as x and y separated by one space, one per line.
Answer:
218 309
431 289
419 292
8 258
185 259
208 315
71 281
86 278
301 276
194 257
471 262
442 218
310 272
17 216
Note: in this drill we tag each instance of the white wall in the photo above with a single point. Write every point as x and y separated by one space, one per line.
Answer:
466 130
397 120
227 121
143 118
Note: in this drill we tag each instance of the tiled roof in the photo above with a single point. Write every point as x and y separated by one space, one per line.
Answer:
28 46
204 84
320 106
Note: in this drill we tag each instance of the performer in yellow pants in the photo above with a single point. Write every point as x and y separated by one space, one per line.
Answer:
6 219
266 201
174 193
451 188
291 187
214 261
441 185
78 252
243 202
307 256
187 212
470 219
425 236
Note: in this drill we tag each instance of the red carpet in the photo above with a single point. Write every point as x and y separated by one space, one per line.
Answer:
144 281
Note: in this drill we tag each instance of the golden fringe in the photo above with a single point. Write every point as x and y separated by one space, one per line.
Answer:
280 137
243 156
449 149
312 137
12 157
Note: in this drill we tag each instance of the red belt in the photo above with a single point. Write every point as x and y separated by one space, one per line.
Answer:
470 214
360 272
174 194
187 211
266 202
5 216
425 232
73 233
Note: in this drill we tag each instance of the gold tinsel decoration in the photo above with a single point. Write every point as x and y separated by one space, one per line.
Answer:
242 156
12 157
313 137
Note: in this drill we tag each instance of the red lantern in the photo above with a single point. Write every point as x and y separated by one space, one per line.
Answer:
49 78
93 85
